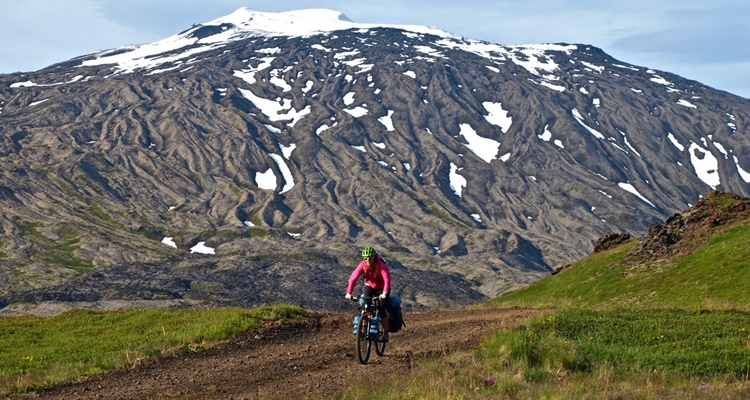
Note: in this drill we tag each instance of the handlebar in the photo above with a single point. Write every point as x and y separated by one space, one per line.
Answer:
357 299
362 296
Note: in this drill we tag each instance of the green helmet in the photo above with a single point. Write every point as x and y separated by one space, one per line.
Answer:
368 252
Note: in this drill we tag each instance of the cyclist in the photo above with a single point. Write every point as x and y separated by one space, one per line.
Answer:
377 282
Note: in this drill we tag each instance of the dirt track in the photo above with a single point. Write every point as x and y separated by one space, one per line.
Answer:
310 360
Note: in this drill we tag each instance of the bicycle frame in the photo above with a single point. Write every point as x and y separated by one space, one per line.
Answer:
368 311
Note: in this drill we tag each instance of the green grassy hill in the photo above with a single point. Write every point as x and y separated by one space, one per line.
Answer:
699 259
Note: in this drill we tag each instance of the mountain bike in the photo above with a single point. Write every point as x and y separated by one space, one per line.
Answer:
367 330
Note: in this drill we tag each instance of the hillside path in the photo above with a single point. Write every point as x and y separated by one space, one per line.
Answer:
315 359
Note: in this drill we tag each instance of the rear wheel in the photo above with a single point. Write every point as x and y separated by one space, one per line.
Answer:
363 344
380 344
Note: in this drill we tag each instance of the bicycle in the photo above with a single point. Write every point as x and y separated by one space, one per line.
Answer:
367 330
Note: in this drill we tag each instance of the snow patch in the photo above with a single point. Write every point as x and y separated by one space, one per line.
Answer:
497 116
577 116
706 166
627 186
457 182
484 148
202 249
387 121
266 180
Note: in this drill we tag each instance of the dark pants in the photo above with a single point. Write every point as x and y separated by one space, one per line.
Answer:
370 293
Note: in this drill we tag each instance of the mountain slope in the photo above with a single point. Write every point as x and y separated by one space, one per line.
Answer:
473 167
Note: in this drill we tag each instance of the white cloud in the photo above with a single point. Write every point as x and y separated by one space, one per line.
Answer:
39 33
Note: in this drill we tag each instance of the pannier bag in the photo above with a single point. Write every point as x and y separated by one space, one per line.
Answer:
395 315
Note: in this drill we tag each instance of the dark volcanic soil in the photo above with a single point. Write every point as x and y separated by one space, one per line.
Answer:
315 359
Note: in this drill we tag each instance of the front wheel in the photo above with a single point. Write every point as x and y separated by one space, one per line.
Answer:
363 344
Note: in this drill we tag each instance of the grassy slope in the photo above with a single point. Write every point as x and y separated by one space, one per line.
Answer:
715 276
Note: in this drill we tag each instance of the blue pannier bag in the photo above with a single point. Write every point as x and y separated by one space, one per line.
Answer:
393 302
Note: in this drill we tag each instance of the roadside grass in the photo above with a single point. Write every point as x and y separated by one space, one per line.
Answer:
38 352
588 354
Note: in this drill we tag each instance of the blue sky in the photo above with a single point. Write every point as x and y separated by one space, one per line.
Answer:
707 41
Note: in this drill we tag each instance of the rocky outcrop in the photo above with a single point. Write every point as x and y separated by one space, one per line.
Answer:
610 240
683 232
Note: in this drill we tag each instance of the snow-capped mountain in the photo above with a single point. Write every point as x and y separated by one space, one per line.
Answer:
242 24
247 159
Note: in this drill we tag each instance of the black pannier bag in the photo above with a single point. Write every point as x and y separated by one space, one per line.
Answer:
395 315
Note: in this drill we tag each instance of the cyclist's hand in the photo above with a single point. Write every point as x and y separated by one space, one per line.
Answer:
348 296
383 296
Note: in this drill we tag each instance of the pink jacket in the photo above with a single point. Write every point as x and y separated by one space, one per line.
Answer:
377 277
